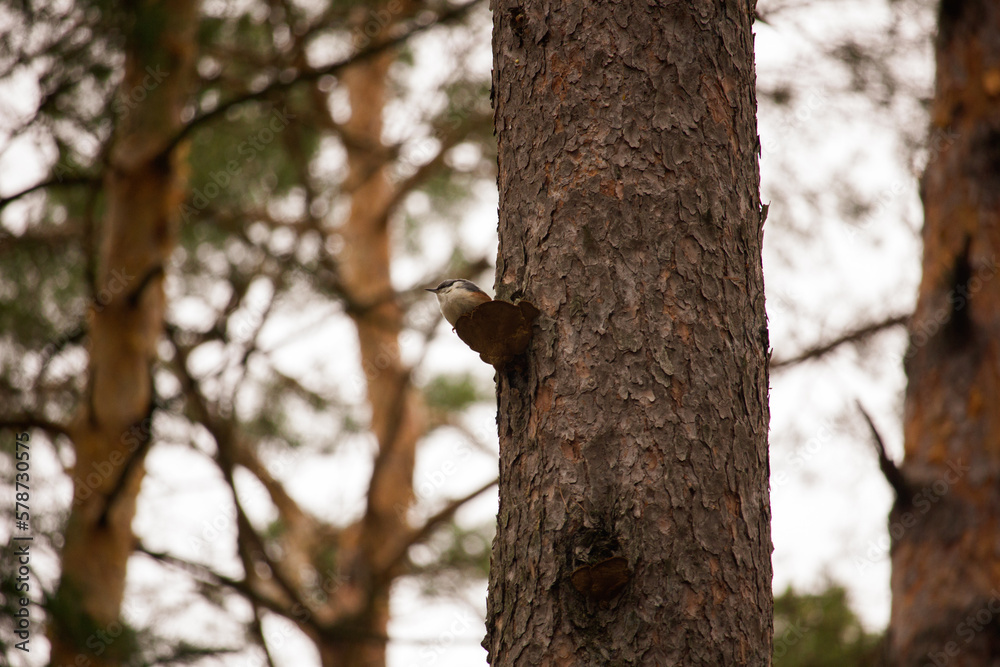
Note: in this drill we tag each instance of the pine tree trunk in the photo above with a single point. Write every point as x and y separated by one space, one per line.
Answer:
397 416
946 529
143 192
634 509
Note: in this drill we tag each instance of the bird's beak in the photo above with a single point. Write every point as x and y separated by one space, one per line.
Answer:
430 289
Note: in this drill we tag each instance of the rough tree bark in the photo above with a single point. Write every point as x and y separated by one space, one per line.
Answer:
634 509
143 191
945 526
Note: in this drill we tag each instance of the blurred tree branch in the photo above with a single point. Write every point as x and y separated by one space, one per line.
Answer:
25 422
431 524
892 473
313 74
58 181
857 335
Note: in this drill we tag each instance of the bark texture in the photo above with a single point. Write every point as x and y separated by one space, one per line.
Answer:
143 191
946 526
634 509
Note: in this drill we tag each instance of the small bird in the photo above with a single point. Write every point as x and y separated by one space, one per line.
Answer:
458 297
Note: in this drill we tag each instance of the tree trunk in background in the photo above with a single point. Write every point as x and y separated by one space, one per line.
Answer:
143 192
634 510
397 416
946 535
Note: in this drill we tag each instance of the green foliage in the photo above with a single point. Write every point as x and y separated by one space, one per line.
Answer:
821 630
452 393
240 162
116 641
39 287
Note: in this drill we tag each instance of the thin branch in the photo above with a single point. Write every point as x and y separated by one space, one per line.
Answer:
470 435
26 421
47 237
431 167
889 469
65 181
226 447
257 629
288 509
252 343
339 631
432 523
314 74
136 457
208 575
855 336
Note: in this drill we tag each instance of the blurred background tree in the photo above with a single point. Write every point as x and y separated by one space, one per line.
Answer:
293 135
943 524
